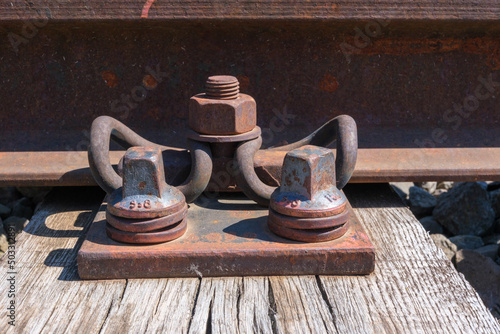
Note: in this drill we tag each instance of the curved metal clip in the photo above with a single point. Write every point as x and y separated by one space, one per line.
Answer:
341 129
105 128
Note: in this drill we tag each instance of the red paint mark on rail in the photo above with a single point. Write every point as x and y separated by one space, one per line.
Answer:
145 9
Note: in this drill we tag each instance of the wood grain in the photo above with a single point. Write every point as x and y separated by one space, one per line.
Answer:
250 9
414 289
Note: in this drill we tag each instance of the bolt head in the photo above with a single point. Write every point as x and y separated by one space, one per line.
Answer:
144 193
308 186
307 171
143 172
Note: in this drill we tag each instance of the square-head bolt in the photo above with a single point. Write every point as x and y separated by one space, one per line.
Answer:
307 171
143 172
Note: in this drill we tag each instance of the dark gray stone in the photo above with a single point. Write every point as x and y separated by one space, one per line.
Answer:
446 185
465 209
18 223
490 251
22 208
8 195
431 225
492 239
430 187
35 193
4 211
483 184
448 247
483 274
439 192
494 186
467 241
495 201
421 202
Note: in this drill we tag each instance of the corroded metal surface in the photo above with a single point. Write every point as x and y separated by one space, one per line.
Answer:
308 184
145 209
341 129
308 190
105 128
223 242
398 87
254 133
222 110
307 235
151 237
144 193
306 223
146 225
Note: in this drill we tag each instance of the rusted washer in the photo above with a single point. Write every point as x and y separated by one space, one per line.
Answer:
150 206
309 223
145 225
153 237
319 235
331 202
254 133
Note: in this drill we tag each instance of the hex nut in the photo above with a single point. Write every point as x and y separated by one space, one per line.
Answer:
222 117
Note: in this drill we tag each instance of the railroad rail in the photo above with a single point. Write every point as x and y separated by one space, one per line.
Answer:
421 79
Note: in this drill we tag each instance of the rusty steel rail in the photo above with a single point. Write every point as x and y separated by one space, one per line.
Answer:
256 10
373 165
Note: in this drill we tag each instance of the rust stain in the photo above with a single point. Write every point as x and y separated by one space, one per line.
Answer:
214 237
110 79
149 81
328 84
153 113
145 9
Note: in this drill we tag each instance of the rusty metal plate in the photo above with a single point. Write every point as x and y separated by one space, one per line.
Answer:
227 236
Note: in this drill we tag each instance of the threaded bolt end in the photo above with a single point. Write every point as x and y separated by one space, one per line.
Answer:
222 87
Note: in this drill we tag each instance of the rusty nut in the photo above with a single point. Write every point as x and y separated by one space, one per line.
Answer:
222 110
222 117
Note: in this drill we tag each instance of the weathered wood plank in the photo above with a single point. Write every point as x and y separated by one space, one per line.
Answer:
147 306
300 307
250 9
232 305
414 289
49 287
50 297
255 313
